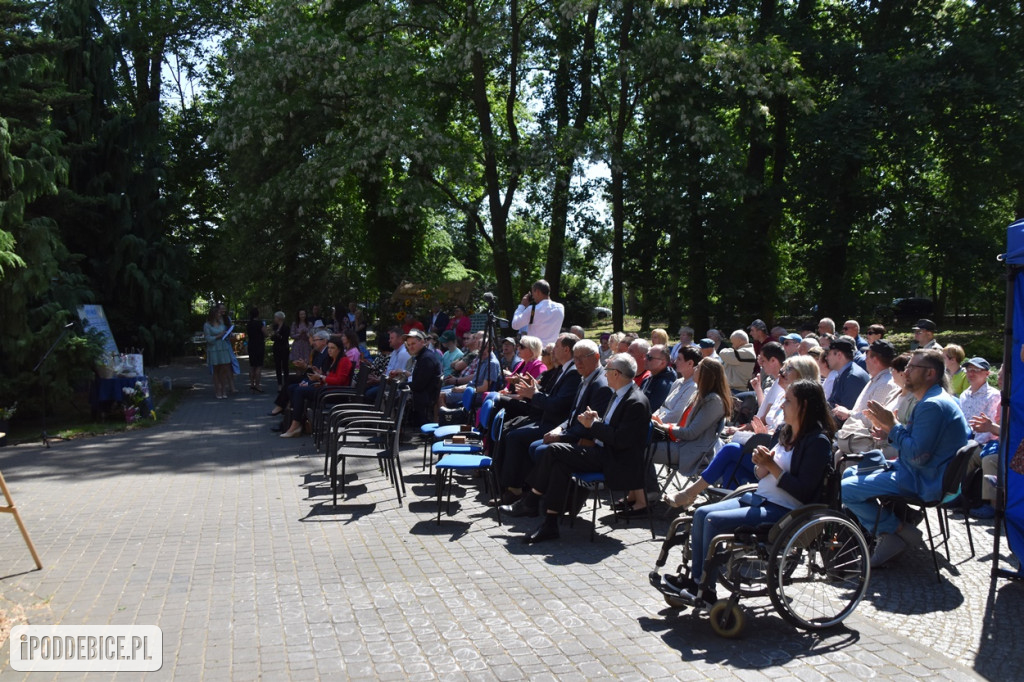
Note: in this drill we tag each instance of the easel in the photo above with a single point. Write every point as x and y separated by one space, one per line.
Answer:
11 509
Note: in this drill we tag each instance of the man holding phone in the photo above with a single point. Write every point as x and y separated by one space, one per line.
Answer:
537 315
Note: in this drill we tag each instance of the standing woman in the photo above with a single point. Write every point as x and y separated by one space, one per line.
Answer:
279 335
218 351
300 338
255 334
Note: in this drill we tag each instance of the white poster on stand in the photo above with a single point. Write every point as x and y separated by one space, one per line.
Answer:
95 320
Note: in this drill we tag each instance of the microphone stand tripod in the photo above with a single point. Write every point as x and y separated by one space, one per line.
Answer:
42 382
490 336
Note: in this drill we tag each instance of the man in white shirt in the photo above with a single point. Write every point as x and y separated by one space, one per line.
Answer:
855 434
685 339
537 315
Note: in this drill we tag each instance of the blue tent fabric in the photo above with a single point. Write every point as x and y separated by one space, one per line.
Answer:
1011 437
1012 421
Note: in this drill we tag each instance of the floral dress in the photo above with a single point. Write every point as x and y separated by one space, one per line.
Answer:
300 345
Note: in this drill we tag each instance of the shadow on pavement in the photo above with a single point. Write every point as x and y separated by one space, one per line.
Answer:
767 642
998 656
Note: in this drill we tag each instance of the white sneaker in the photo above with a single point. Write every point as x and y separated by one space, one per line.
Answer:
887 547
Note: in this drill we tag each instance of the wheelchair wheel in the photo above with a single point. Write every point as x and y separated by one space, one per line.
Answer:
744 573
727 619
819 571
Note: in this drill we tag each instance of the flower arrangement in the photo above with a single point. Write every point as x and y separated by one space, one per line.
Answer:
135 401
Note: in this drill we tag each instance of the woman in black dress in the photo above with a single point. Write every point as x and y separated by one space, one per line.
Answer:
257 339
280 333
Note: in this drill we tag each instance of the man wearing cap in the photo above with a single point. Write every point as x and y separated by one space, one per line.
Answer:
980 397
707 349
791 344
537 315
759 335
451 352
855 434
926 445
424 378
924 335
850 378
509 358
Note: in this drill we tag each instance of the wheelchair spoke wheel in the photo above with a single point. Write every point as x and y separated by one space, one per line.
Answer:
819 572
744 574
727 619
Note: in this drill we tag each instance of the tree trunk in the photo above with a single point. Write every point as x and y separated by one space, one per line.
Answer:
568 141
618 179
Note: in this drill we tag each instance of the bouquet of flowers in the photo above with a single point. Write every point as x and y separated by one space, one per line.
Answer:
135 401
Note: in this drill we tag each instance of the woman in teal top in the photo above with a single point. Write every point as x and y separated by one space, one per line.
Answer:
218 351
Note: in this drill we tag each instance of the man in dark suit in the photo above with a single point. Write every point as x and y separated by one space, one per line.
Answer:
851 379
425 380
611 441
547 410
437 320
659 383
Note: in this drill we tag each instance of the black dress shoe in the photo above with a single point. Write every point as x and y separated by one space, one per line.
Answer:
507 498
633 512
544 532
622 505
520 508
276 429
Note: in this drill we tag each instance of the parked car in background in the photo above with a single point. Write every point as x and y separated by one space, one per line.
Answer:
902 309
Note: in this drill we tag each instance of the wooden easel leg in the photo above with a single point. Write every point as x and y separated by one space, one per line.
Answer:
11 509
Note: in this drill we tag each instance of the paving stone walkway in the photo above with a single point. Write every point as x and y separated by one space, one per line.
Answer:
223 535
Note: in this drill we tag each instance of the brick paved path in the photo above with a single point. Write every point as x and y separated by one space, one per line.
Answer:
221 533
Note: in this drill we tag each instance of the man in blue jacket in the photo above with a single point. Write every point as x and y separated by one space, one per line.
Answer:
850 378
926 445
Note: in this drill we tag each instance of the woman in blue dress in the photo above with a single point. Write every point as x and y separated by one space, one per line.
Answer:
218 351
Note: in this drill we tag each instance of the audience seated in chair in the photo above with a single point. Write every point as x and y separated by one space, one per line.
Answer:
732 465
611 442
339 373
925 447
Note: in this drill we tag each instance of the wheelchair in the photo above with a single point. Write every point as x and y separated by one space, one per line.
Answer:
813 564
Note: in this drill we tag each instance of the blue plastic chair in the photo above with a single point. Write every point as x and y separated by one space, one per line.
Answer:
432 432
454 458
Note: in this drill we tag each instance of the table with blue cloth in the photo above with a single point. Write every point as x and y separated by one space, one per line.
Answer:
111 390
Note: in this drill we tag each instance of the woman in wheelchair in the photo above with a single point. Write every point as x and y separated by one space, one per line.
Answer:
789 476
732 464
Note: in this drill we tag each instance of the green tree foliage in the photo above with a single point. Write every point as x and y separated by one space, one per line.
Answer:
36 291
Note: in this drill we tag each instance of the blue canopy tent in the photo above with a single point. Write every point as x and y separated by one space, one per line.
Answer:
1010 495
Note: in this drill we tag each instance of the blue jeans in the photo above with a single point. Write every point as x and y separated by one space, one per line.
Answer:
722 517
731 466
858 491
